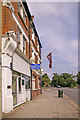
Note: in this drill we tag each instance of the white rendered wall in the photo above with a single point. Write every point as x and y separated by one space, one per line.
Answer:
7 98
8 47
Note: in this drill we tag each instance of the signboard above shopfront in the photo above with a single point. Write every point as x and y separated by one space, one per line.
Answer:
35 66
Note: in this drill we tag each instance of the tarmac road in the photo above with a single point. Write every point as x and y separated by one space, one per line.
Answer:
71 93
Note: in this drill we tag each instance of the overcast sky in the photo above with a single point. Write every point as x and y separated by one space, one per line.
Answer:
57 26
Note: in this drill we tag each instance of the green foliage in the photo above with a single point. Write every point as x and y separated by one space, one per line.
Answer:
45 79
55 79
78 78
64 80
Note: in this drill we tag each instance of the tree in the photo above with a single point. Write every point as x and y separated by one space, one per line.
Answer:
55 79
64 80
78 78
45 79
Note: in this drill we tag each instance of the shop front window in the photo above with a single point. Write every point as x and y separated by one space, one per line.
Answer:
27 85
16 73
18 37
22 82
19 84
24 45
27 81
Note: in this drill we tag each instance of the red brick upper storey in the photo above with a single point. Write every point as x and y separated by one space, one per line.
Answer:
9 24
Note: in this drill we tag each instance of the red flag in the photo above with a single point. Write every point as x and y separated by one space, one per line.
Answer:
49 56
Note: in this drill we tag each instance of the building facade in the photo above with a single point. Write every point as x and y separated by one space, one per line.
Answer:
21 47
0 53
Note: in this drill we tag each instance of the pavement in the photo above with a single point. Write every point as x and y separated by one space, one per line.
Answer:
47 105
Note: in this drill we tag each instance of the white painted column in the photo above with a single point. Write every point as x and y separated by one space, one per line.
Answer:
7 98
8 48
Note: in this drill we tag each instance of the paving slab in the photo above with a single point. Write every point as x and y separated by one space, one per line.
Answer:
47 105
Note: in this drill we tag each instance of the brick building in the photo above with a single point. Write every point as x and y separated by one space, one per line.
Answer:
0 53
21 47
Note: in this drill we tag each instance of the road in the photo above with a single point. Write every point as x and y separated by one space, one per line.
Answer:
71 93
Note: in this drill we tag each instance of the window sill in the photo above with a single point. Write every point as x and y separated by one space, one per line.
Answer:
28 89
35 89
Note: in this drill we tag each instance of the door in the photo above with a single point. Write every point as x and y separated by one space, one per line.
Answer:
14 90
23 90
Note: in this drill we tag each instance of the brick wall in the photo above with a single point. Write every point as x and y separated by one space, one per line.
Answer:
36 79
36 93
27 49
8 23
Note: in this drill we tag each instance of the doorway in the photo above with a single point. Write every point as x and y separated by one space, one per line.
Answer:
14 90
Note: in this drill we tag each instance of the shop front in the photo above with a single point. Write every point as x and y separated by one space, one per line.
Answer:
15 75
20 80
20 88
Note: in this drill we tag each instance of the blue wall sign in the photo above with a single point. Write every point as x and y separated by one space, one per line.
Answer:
35 66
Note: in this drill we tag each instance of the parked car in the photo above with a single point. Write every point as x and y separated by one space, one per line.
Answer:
58 86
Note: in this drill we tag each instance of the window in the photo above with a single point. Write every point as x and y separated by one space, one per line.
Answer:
33 36
33 82
20 9
19 5
27 81
16 73
24 45
34 78
39 50
18 37
39 82
21 12
22 82
38 47
36 59
33 55
27 86
19 84
14 84
18 33
24 16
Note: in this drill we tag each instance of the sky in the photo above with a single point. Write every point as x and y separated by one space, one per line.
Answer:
57 27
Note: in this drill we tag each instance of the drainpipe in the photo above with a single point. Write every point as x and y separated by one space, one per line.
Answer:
29 39
41 74
29 58
41 78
